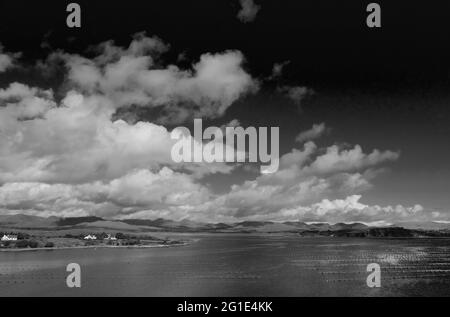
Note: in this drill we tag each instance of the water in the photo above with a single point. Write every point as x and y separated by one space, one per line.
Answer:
234 265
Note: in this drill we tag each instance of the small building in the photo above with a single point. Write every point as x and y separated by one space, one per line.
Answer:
110 237
90 237
9 238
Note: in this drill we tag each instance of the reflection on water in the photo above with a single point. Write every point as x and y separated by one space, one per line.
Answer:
237 266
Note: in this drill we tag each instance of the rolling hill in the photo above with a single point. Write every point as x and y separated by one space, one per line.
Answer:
26 222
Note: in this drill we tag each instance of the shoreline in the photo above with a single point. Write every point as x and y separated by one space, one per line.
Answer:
97 247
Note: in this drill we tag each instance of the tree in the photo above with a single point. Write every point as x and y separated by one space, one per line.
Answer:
22 236
120 235
33 244
22 244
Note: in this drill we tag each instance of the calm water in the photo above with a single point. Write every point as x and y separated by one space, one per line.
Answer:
237 266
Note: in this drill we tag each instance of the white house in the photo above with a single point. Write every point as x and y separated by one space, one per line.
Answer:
90 237
110 237
9 238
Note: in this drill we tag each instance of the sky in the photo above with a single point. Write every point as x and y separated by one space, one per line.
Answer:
86 114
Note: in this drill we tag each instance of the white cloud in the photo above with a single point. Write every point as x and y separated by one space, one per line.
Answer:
296 93
77 141
23 102
75 161
337 160
137 190
351 209
277 70
7 60
248 11
304 179
289 194
134 76
315 132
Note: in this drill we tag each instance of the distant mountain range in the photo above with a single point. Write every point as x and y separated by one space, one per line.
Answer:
407 229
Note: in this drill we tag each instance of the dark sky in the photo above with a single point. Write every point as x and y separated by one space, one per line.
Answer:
327 42
382 88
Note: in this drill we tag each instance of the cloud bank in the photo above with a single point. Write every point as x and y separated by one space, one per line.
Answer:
73 156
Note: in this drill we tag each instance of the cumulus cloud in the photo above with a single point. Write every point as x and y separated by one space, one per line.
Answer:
315 132
296 192
80 138
77 141
74 159
134 191
293 193
248 11
350 209
303 180
7 60
296 93
23 102
336 159
135 76
277 70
